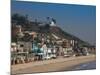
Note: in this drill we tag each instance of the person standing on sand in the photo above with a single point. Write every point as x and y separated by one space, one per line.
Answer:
44 50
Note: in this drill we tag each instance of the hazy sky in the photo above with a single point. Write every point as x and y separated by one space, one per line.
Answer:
78 20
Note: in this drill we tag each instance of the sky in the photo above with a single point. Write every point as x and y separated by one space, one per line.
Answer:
78 20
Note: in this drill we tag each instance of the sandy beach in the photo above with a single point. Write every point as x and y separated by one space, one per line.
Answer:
58 64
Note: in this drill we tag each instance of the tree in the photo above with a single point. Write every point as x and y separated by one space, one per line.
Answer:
47 26
19 19
54 20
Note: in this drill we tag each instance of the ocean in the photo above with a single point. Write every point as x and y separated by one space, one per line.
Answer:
85 66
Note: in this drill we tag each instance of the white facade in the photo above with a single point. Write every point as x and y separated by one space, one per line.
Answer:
52 23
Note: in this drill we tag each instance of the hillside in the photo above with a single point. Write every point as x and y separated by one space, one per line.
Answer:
49 30
44 27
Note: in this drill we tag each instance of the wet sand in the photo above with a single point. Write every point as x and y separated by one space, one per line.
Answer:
60 64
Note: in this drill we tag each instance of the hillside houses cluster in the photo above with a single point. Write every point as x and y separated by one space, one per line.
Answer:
32 44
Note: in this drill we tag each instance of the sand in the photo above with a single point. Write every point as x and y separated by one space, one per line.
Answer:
51 65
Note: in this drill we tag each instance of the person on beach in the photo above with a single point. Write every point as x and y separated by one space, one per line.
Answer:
44 50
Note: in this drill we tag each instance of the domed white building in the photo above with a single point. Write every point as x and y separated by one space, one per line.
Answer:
52 23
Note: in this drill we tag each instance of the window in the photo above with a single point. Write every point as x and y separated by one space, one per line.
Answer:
21 45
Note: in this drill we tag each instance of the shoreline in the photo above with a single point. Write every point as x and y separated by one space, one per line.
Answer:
53 65
76 67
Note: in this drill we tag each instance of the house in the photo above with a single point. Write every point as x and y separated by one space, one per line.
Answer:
66 47
13 47
24 46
